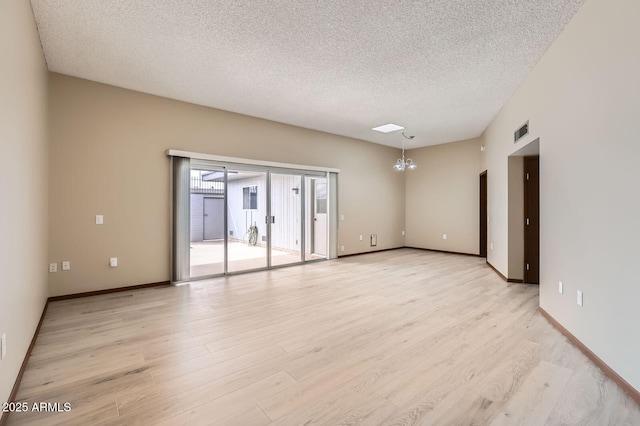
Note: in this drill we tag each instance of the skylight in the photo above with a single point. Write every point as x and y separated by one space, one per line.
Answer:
388 128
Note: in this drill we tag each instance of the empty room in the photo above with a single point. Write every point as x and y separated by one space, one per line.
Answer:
332 213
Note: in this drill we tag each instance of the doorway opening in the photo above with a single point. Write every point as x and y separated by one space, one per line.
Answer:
523 214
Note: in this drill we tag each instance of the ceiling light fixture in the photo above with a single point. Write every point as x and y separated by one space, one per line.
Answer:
401 163
388 128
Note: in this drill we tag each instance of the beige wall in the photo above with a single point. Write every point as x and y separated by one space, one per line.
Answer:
582 100
23 185
442 197
108 157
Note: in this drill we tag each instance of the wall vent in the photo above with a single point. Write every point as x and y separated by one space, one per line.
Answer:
521 132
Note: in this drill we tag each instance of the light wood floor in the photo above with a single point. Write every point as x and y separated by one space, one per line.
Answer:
391 338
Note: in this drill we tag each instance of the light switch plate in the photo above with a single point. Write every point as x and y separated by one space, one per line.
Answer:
99 219
3 344
66 265
560 287
113 262
579 296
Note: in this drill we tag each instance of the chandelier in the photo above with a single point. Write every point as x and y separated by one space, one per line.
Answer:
401 163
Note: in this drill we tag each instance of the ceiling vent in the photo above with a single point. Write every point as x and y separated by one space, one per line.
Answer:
521 132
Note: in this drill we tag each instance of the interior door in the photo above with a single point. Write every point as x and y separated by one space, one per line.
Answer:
213 217
320 206
531 220
483 214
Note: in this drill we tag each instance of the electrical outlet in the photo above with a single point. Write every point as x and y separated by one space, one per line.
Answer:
3 346
113 262
360 237
341 217
53 267
99 219
444 236
341 248
560 287
403 233
579 296
66 265
491 245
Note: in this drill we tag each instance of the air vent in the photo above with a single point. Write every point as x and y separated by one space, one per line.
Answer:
521 132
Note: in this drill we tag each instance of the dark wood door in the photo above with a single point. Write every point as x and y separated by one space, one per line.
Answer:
532 220
483 214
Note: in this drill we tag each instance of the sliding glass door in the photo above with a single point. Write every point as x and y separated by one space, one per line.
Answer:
286 219
231 218
207 198
246 213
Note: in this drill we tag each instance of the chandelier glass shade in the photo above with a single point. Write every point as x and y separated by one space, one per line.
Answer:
403 164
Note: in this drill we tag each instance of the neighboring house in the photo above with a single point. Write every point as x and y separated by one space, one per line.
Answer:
247 207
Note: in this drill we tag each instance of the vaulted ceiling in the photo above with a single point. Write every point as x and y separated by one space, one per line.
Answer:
440 68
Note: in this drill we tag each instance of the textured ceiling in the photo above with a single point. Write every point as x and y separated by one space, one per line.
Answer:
440 68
